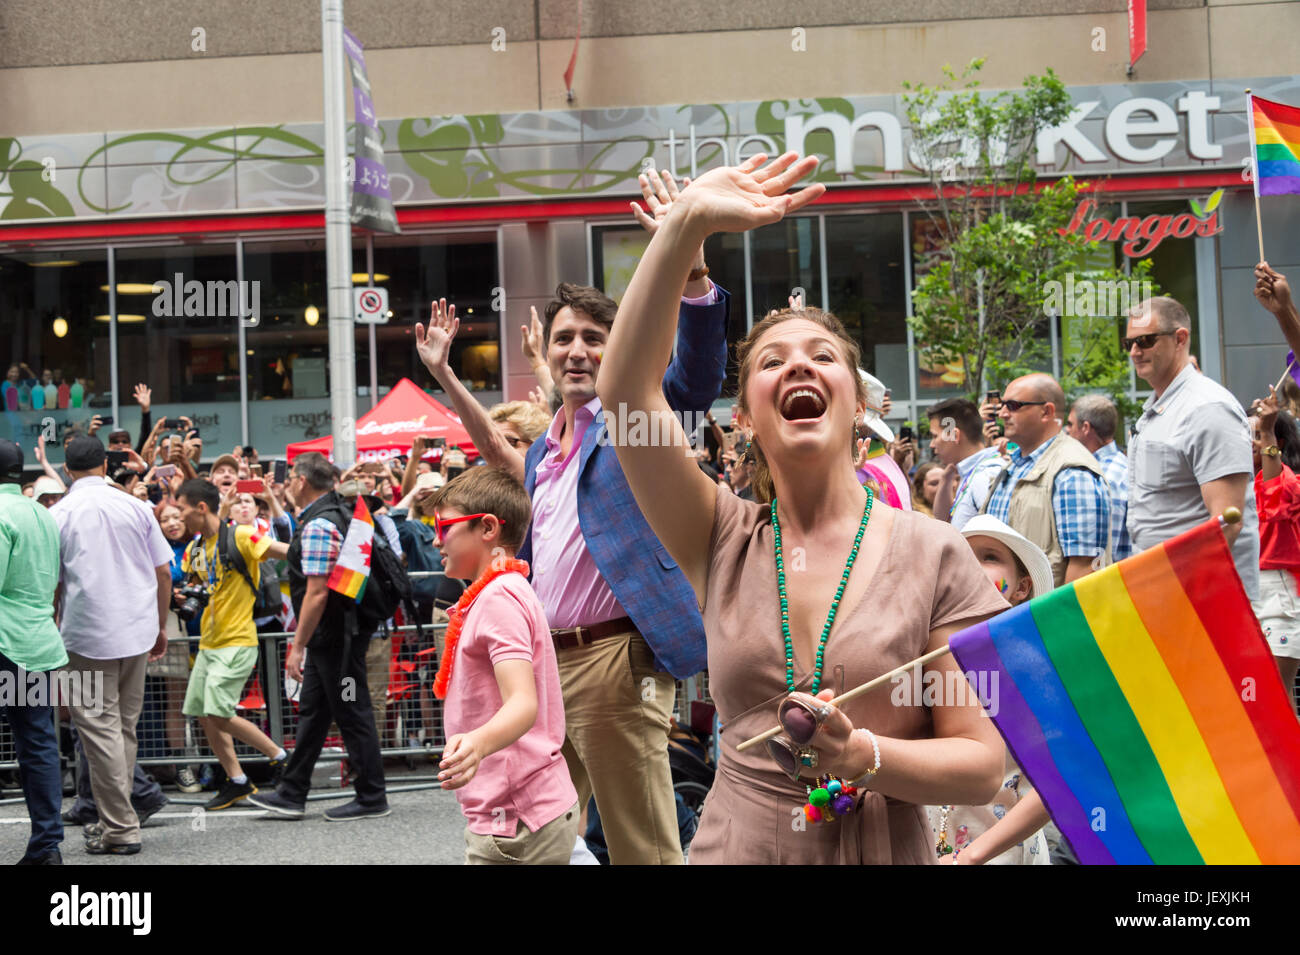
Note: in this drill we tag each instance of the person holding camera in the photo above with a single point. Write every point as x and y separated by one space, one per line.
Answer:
222 570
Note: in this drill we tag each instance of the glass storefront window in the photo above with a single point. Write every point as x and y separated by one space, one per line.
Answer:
290 347
189 353
49 301
867 291
1173 265
616 250
416 269
786 255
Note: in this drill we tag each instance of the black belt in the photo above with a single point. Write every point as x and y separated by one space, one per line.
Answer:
570 637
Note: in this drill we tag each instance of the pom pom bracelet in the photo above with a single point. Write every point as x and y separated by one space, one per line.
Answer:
831 799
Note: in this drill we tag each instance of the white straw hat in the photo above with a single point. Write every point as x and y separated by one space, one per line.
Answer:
1030 554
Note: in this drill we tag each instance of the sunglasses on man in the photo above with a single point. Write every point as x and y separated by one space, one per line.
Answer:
1012 405
1144 341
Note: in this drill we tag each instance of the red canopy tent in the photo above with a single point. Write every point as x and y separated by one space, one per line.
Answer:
390 427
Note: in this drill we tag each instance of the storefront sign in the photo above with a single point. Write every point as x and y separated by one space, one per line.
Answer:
1141 235
1115 129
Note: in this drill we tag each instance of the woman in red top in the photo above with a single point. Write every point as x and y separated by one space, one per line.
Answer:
1277 498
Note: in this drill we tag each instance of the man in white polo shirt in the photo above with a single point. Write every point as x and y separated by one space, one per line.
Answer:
115 589
1190 456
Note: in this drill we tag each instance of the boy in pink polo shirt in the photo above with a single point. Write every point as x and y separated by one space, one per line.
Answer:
504 714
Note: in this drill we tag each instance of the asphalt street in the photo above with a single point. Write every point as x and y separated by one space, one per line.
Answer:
425 827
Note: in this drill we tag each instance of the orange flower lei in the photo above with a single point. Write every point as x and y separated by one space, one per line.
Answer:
499 566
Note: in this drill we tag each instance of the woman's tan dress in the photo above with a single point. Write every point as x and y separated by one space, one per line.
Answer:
927 578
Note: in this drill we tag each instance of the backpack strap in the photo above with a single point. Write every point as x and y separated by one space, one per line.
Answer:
230 554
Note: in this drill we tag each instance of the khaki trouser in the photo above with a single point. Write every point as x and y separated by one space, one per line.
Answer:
108 737
552 844
377 667
617 708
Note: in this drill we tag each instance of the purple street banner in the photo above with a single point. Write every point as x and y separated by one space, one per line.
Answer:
372 200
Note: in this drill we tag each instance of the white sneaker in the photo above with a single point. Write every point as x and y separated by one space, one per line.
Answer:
186 781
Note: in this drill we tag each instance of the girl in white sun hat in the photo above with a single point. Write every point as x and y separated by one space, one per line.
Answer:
1008 831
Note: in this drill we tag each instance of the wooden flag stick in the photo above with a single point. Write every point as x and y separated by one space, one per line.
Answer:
850 694
1289 366
1230 515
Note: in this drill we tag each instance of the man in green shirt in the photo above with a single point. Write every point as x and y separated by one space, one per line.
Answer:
31 651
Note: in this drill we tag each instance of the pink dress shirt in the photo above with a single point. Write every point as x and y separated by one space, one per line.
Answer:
565 576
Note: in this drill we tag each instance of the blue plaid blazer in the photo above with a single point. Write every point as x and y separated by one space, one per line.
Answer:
644 578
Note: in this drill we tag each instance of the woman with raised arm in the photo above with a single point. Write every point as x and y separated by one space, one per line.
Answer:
846 785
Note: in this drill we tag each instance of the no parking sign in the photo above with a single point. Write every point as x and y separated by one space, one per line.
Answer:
370 305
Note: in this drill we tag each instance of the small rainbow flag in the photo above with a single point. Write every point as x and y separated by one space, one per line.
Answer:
352 569
1275 143
1144 705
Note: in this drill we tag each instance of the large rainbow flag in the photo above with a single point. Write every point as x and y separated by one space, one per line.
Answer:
1275 144
352 569
1143 703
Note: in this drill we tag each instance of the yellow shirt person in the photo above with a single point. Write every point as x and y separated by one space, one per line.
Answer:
228 618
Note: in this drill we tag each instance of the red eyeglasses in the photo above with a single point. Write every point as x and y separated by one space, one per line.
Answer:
440 524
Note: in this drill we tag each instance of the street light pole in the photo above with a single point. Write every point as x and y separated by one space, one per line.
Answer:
338 241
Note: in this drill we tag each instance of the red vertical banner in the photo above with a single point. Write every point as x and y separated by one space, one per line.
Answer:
1137 30
573 58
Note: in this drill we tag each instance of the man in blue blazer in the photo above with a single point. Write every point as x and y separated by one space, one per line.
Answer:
623 616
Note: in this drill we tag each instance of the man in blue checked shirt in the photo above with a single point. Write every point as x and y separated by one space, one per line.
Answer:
1094 419
1053 491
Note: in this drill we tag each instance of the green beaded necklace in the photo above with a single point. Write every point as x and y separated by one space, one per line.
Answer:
835 604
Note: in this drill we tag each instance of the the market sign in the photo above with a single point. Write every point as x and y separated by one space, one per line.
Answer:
1112 129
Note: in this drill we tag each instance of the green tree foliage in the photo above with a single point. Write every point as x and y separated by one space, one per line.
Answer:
999 241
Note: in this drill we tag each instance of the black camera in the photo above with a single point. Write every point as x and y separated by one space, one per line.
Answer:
193 598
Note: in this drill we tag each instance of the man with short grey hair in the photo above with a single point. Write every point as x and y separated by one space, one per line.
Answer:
1093 422
1190 455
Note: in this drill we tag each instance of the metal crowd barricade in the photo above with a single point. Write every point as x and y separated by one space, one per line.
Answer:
410 721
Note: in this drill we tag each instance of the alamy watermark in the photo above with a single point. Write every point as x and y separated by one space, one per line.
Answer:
211 299
1093 298
76 908
947 688
80 688
639 428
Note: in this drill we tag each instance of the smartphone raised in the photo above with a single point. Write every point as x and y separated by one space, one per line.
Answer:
173 424
281 471
905 432
250 487
116 459
167 471
995 397
255 470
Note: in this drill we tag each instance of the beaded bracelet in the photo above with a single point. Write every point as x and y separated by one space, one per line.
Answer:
866 776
